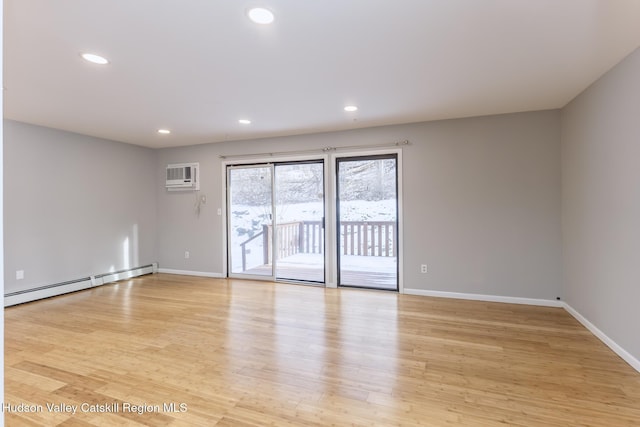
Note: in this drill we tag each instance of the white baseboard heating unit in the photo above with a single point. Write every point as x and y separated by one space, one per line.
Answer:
55 289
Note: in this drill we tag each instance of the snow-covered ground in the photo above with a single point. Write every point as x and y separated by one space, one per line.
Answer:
250 218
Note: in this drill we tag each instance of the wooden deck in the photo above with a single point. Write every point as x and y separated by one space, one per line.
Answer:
357 271
242 353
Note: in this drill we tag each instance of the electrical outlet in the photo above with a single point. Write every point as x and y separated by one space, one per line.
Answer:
423 268
219 211
19 274
186 254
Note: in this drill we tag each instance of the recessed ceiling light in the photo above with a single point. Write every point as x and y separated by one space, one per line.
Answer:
244 122
96 59
350 108
164 131
260 15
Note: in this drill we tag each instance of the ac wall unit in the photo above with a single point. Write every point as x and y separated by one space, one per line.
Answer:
183 176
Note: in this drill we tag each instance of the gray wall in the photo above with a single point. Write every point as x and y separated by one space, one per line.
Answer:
481 202
601 203
70 204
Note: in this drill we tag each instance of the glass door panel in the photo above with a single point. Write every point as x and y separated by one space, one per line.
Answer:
287 242
299 240
250 208
367 222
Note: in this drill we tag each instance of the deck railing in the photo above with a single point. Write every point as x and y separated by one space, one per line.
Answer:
364 238
368 238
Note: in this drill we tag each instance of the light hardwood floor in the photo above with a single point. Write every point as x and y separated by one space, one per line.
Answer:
241 353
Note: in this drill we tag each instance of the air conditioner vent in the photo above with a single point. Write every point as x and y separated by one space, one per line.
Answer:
183 176
179 173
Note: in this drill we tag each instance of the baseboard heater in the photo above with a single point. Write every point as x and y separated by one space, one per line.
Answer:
20 297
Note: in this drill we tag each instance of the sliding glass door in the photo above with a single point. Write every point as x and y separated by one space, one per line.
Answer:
367 208
299 240
276 221
250 214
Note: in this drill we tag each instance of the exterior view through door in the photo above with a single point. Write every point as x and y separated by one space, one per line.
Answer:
367 206
276 221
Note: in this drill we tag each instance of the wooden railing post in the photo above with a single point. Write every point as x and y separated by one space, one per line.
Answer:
265 244
301 239
244 256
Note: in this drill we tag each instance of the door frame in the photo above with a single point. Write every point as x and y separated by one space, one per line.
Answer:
228 169
364 158
271 161
331 257
275 247
334 209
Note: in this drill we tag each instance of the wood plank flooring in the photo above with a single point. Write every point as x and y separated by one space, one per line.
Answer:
241 353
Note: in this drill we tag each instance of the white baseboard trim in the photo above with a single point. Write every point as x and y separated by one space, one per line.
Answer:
624 354
190 273
488 298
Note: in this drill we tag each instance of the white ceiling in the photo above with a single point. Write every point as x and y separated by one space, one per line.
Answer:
198 66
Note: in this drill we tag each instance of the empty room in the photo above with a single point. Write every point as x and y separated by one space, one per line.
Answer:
297 213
